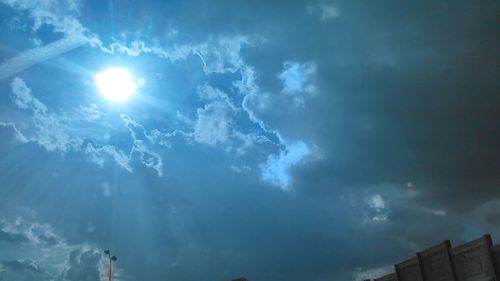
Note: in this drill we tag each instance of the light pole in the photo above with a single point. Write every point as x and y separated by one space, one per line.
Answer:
111 260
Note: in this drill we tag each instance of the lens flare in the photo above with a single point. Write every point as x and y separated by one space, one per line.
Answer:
116 84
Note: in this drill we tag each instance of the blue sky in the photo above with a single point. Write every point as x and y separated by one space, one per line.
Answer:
277 140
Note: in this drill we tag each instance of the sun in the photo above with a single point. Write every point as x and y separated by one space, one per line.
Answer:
116 84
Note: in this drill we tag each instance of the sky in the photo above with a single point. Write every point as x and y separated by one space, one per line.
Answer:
278 140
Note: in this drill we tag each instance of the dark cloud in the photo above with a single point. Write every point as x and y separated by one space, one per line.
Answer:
83 265
27 258
12 237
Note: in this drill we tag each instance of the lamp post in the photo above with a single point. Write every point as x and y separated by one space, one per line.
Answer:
111 260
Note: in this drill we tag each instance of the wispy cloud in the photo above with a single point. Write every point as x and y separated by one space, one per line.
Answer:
54 133
378 206
62 15
18 135
24 255
34 56
48 131
323 10
222 55
214 123
298 78
218 55
277 168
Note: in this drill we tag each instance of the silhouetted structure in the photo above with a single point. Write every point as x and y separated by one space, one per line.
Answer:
476 260
111 260
240 279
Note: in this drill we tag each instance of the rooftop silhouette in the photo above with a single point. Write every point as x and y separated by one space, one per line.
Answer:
477 260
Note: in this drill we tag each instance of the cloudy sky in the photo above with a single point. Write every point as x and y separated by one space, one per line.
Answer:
310 140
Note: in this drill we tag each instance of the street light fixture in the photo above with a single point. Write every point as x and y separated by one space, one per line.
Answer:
111 260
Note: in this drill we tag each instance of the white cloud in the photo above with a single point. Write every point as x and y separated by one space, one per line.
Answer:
377 202
141 140
37 55
91 113
298 78
218 55
27 259
209 93
243 142
277 168
136 48
60 14
52 132
378 205
213 123
253 101
99 154
222 55
18 135
148 157
49 132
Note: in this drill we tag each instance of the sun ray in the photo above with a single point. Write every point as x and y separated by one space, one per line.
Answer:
116 84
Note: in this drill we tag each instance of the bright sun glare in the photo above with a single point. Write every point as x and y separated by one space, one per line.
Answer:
116 84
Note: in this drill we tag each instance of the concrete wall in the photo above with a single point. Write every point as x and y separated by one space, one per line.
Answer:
436 263
409 270
477 260
496 259
473 261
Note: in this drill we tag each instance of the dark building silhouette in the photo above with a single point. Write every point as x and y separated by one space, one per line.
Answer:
240 279
496 256
477 260
409 270
437 255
